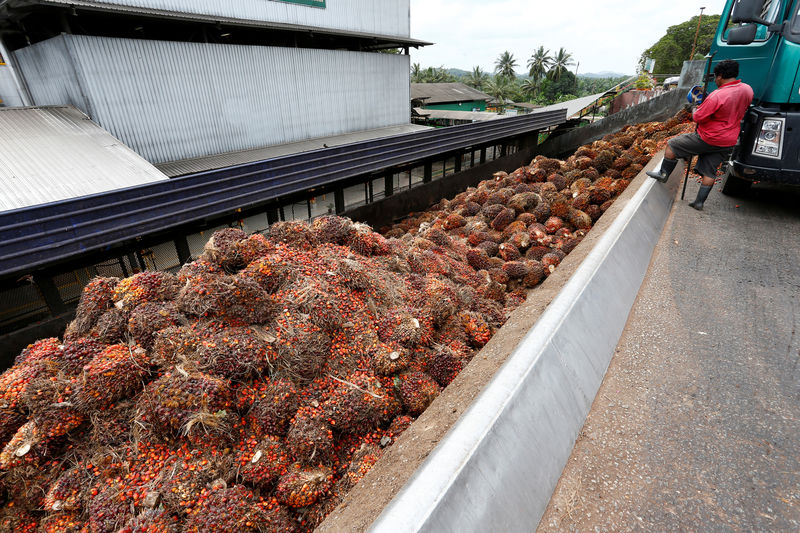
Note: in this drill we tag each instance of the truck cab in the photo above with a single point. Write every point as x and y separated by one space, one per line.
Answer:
764 37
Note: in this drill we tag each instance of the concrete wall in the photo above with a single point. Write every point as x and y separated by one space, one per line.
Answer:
658 108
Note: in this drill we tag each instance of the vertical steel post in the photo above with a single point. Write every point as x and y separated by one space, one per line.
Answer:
428 176
182 247
49 292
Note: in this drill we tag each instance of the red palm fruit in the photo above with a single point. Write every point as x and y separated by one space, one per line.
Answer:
621 163
579 219
397 326
296 234
536 175
558 180
333 229
398 426
542 211
509 252
604 160
546 164
632 171
498 275
479 196
478 331
361 463
44 349
581 201
490 248
503 219
302 347
261 462
310 439
358 403
619 186
535 274
612 173
454 221
10 421
173 345
470 209
151 521
274 404
444 364
111 327
271 272
526 218
553 224
478 259
78 353
580 185
594 212
251 248
524 202
586 151
550 262
236 353
559 205
151 317
515 269
569 245
182 403
604 183
112 426
604 207
229 509
416 390
221 248
302 486
387 360
439 236
199 267
537 252
477 237
70 491
511 229
145 287
112 375
71 522
16 520
521 240
583 162
501 196
96 298
362 240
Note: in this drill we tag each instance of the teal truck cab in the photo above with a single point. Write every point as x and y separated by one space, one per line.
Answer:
764 37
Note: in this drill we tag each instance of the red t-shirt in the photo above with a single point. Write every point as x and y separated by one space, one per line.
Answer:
719 115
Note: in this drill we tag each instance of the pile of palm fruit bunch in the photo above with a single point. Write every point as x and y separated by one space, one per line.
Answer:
254 388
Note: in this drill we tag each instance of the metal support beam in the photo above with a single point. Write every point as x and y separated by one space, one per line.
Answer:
388 183
182 247
428 176
338 200
483 155
272 215
50 293
122 266
458 157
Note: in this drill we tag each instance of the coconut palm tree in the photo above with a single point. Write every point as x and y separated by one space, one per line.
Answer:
560 64
416 73
505 64
499 88
529 87
477 78
539 63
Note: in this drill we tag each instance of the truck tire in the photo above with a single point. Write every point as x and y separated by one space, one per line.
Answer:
734 186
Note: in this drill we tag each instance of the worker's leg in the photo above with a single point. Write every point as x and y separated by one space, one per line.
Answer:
702 193
706 166
669 162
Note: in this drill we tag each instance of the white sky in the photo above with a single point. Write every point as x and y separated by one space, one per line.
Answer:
603 35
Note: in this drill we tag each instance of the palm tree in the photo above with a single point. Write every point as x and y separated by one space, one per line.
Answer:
539 63
560 63
499 88
504 66
416 73
477 78
529 87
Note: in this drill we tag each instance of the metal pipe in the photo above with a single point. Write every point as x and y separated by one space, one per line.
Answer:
22 89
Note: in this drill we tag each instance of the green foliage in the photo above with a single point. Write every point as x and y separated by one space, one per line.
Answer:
539 63
643 82
551 88
477 78
561 63
676 46
431 75
505 64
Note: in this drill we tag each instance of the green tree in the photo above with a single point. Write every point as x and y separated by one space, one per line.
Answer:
529 87
498 87
539 63
505 64
561 63
674 48
552 90
477 78
416 73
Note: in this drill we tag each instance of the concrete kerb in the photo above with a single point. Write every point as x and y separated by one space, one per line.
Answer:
497 467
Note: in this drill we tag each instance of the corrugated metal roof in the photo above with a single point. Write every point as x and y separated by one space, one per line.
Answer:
572 106
201 164
366 18
55 153
438 93
446 114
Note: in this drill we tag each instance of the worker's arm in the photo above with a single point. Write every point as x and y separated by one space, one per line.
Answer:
706 109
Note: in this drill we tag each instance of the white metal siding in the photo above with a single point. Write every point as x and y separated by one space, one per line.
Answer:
54 153
49 73
381 17
173 100
8 91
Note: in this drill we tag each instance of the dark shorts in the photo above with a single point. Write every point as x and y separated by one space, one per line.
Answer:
710 158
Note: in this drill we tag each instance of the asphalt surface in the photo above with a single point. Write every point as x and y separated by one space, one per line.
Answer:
697 424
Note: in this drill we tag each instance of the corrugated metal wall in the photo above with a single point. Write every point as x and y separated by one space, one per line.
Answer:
175 100
8 91
384 17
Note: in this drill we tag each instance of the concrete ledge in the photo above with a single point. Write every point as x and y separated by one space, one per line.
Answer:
497 467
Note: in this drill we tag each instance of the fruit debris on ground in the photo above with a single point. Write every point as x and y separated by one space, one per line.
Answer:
253 389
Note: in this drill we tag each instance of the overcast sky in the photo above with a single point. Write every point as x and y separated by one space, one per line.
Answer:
605 35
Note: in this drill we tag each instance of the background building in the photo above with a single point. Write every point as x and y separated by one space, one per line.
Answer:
180 79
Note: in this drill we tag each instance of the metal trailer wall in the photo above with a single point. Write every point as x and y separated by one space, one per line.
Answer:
384 17
8 91
175 100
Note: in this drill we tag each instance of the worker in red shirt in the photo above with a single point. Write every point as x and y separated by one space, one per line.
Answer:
718 121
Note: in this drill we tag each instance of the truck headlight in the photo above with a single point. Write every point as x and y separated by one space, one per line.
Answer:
770 139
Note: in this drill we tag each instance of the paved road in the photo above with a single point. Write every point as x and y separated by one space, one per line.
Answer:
697 424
